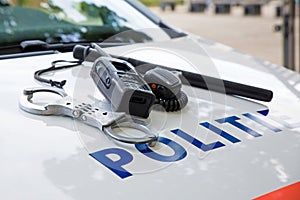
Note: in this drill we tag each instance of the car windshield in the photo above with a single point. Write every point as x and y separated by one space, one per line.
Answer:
57 21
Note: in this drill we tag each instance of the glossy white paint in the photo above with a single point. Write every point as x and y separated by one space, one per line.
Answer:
48 157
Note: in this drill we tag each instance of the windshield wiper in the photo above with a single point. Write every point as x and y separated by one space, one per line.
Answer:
38 45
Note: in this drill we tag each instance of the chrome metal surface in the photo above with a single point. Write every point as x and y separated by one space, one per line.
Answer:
105 121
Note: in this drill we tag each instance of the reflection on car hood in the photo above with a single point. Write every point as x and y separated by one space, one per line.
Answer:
232 148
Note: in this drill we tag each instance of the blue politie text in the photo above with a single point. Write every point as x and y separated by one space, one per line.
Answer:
125 157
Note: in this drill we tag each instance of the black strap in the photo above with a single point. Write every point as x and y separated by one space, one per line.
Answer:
54 67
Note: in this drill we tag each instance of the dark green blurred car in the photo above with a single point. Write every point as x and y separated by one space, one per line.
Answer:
55 21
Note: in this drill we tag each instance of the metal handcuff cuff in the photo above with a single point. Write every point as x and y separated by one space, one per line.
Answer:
91 115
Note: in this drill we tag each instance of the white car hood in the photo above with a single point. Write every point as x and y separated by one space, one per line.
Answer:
53 157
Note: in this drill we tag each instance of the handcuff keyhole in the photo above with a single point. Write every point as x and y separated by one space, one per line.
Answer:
68 103
105 113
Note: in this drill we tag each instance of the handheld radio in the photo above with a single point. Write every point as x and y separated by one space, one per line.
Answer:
122 86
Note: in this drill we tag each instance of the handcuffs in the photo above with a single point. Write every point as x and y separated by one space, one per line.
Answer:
105 121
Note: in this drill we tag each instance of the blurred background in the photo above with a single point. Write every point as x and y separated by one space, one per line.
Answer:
268 29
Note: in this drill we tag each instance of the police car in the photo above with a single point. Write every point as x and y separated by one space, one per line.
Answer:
222 144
